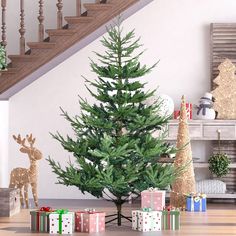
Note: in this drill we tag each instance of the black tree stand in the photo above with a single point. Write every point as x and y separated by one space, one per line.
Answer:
118 216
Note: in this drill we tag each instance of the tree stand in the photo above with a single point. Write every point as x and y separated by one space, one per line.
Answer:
118 216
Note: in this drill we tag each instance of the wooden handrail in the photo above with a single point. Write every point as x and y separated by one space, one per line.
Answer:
41 19
59 14
22 28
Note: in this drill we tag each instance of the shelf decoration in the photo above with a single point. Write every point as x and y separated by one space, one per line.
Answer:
196 202
225 92
205 109
189 108
185 182
219 162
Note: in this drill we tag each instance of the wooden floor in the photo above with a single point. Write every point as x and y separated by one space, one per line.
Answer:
220 219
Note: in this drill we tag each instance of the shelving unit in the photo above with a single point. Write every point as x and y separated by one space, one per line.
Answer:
207 130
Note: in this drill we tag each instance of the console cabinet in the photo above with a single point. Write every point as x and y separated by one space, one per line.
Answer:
208 130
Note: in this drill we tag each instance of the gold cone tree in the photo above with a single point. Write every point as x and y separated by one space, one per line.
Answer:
185 182
225 92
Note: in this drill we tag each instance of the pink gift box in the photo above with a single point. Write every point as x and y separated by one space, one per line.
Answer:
154 199
89 222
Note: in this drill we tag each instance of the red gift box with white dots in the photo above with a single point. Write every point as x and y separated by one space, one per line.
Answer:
89 222
146 221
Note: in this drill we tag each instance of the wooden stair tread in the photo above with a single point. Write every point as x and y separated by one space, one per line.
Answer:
78 19
97 6
23 58
41 45
65 32
9 71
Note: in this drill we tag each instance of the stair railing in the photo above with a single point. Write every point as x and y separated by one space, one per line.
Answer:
40 17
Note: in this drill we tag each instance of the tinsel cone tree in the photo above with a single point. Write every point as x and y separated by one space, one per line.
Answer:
115 152
185 182
225 92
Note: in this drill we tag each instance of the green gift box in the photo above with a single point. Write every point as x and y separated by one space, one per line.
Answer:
40 220
170 220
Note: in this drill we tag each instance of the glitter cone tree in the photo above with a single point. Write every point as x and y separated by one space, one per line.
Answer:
185 182
225 92
115 152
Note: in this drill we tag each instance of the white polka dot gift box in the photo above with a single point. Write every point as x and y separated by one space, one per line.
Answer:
61 222
146 220
89 221
153 198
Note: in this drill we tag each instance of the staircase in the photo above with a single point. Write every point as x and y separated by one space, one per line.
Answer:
43 55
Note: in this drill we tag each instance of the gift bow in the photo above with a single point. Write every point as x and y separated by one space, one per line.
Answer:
152 189
61 211
197 196
90 210
46 209
146 209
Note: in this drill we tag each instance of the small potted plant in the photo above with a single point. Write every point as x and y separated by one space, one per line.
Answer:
219 164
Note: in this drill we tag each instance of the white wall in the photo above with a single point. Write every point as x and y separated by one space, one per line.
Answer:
174 31
4 128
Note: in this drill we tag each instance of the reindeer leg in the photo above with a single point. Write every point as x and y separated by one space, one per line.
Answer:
26 186
21 195
35 194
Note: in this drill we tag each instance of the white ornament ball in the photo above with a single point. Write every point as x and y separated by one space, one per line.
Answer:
167 107
167 104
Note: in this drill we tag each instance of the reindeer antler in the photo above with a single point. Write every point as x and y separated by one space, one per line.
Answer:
30 140
19 140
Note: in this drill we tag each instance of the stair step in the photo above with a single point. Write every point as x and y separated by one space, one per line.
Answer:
22 58
78 19
60 32
97 6
41 45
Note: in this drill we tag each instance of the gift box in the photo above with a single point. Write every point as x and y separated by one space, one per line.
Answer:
189 108
196 203
146 220
40 219
153 198
89 221
170 219
61 222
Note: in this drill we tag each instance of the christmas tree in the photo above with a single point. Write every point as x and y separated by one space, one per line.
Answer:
185 182
225 92
115 152
3 60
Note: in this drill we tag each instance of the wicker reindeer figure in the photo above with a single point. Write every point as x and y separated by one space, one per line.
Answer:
22 177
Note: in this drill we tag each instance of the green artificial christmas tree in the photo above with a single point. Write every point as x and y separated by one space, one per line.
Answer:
114 150
3 60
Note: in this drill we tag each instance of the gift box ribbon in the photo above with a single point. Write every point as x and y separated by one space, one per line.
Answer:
60 212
